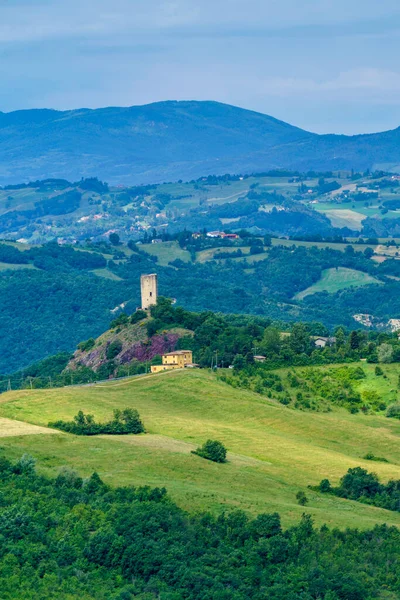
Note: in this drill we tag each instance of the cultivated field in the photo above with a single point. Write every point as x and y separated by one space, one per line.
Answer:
273 451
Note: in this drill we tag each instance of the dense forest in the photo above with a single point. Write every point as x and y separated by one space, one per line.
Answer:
68 537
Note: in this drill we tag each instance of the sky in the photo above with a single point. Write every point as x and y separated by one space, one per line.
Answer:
329 66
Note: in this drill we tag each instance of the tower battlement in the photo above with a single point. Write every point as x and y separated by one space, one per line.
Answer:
149 290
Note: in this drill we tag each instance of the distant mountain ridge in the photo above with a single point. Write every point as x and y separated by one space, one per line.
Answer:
172 140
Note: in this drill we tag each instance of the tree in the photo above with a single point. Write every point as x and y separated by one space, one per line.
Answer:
271 342
385 353
267 241
325 486
354 340
212 450
301 498
239 362
114 239
340 338
299 340
368 253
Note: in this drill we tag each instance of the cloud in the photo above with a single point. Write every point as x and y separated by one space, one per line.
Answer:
298 61
22 21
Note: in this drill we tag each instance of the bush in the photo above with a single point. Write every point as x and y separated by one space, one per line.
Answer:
325 486
370 456
301 498
212 450
393 412
124 422
113 349
88 345
137 316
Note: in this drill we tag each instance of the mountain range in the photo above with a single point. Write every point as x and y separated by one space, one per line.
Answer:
173 140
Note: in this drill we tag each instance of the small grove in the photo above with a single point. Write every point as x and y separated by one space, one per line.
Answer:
70 537
124 422
358 484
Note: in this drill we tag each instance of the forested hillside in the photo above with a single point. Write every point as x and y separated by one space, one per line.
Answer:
152 143
52 297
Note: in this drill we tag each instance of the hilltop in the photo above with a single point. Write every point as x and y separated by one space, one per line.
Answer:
173 140
53 297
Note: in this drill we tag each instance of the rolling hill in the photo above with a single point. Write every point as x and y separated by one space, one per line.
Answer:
273 451
173 140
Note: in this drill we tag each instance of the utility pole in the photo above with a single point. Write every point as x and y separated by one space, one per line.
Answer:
216 359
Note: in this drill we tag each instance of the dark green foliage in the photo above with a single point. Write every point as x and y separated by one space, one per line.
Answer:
370 456
9 254
137 316
359 484
378 371
113 349
124 422
88 345
212 450
114 239
93 184
72 538
120 321
301 498
393 412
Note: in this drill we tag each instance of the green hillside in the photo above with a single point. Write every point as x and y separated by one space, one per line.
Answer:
273 451
333 280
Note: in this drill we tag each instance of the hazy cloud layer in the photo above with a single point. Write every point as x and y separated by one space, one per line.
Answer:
326 65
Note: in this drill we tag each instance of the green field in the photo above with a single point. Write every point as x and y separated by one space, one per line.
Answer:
340 278
166 252
15 267
273 451
106 274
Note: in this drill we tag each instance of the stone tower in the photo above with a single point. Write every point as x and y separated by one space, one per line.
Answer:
149 290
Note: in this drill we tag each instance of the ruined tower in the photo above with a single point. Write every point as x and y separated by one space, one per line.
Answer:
149 289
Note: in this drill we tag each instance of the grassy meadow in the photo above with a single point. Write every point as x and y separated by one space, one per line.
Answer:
273 451
166 252
333 280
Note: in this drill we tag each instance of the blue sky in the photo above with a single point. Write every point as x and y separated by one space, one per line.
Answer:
324 65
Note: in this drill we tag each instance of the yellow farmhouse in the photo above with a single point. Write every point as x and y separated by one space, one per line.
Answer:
174 360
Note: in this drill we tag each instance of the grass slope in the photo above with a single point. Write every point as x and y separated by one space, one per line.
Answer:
333 280
273 451
166 252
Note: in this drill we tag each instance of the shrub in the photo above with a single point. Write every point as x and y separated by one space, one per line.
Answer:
378 371
124 422
301 498
120 321
113 349
137 316
212 450
370 456
393 412
88 345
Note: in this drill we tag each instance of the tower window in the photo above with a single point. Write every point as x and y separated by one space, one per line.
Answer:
151 293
